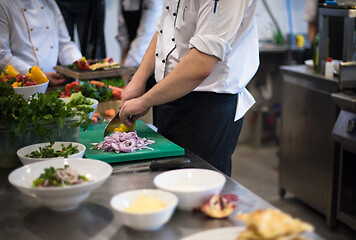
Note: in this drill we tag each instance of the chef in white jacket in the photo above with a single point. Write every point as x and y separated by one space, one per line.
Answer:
33 33
203 55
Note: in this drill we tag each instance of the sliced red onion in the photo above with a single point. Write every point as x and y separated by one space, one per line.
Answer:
123 142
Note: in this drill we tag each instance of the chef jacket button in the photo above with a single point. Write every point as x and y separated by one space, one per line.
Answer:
174 14
173 39
36 49
163 61
31 29
25 10
167 7
161 31
51 46
47 27
156 54
42 7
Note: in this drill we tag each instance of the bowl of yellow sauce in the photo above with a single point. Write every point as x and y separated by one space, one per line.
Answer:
144 209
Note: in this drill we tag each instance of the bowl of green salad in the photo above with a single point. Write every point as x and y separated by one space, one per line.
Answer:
60 184
80 102
50 150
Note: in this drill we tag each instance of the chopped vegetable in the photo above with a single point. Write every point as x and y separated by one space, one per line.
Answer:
48 151
123 128
123 142
57 177
110 112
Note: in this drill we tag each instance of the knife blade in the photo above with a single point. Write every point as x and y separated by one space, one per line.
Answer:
154 165
114 122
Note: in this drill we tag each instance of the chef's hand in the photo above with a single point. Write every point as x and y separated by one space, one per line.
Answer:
55 79
133 109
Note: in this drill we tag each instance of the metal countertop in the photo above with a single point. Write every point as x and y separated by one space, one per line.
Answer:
22 217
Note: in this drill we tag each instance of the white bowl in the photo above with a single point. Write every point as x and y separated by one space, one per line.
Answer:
27 91
22 152
193 187
144 221
94 105
61 198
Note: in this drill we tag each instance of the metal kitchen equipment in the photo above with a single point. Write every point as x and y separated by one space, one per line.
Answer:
344 135
327 13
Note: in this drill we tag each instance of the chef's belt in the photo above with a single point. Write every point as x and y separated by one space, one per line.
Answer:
132 20
202 122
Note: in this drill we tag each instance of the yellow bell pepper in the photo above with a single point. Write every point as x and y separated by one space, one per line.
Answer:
36 74
16 84
123 128
9 70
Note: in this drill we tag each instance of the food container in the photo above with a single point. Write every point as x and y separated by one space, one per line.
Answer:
10 144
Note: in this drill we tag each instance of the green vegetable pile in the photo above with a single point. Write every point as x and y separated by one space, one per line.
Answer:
49 152
101 94
77 100
17 113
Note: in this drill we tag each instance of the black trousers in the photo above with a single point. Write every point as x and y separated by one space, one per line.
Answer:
202 122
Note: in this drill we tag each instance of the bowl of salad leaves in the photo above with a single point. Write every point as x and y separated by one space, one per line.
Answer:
79 102
50 150
60 184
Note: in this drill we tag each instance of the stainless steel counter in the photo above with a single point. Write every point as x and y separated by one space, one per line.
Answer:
23 218
307 150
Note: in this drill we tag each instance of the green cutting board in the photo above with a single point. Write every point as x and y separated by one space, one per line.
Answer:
161 148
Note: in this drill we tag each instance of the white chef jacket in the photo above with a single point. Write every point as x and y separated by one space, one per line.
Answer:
33 33
310 13
225 29
151 10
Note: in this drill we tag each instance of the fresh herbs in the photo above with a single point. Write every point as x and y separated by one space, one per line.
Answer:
18 114
48 151
53 177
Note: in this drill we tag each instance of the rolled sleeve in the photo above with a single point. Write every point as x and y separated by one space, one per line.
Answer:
218 23
211 45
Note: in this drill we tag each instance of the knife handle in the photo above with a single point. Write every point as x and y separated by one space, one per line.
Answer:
168 164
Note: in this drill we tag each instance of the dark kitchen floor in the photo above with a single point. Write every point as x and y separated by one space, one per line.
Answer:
257 170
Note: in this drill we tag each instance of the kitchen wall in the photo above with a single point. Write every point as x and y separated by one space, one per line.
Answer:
279 10
265 24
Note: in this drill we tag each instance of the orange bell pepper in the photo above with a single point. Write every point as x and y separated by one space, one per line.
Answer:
36 74
8 71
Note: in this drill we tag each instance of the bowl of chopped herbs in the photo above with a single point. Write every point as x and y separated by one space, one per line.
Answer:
50 150
44 118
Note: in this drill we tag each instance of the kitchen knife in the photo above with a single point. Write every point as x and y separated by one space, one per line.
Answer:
114 123
155 165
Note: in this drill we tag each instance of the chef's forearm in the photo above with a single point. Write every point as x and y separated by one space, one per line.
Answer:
184 78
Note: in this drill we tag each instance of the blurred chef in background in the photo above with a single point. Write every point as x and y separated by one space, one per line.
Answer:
87 16
33 33
203 55
137 25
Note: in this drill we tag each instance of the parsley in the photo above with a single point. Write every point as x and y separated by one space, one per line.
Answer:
49 152
18 114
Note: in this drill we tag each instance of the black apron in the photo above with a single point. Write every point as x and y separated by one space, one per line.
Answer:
202 122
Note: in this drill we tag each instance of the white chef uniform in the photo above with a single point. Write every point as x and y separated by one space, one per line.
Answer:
224 29
151 10
33 32
208 120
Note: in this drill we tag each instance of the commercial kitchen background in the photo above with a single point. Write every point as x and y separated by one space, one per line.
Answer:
256 161
265 23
